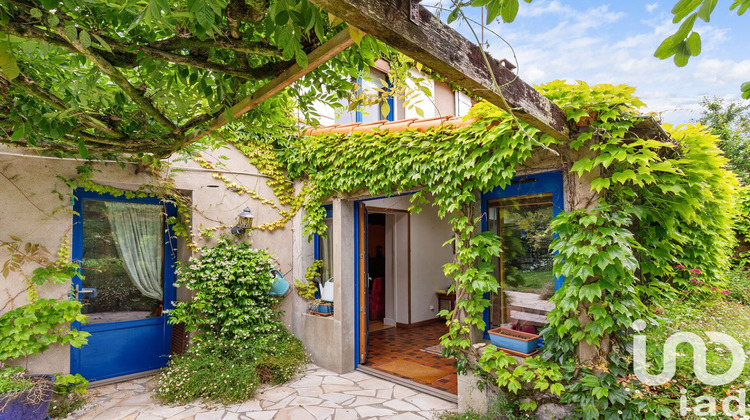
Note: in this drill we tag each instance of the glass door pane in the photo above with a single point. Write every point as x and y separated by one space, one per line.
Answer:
524 269
115 296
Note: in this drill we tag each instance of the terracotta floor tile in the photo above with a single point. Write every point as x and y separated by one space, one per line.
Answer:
394 344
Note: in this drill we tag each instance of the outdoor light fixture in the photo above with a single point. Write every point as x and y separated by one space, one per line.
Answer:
244 222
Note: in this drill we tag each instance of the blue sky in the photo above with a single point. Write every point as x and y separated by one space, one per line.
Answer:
614 42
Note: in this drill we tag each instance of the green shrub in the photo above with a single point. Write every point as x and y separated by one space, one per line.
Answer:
69 395
229 371
230 284
13 379
739 285
240 341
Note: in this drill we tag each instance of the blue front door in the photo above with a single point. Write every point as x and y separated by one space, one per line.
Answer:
126 253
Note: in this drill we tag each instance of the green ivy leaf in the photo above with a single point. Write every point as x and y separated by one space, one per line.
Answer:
71 32
745 90
707 7
693 44
85 39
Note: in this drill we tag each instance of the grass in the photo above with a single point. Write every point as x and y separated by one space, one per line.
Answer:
724 316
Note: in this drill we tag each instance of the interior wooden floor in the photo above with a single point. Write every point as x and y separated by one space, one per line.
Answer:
378 325
393 344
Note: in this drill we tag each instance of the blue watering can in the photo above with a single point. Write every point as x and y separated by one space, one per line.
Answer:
280 285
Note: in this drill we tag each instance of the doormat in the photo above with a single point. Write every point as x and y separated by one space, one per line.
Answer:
413 370
436 349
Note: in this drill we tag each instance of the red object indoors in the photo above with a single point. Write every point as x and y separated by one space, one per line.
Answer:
377 299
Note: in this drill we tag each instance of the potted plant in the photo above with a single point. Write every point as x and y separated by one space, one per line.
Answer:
33 328
309 289
516 341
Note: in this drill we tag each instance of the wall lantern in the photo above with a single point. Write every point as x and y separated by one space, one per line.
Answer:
244 222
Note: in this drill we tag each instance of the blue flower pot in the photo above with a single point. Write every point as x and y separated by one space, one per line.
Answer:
513 340
324 309
19 405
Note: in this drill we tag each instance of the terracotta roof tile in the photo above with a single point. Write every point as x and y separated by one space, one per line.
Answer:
392 126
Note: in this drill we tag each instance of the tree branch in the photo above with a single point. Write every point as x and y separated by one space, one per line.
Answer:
256 73
107 68
240 10
187 43
126 56
26 84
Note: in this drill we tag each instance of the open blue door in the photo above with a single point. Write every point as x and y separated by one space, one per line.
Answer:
363 280
126 254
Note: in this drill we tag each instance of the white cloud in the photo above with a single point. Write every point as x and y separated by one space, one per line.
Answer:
544 8
651 7
602 44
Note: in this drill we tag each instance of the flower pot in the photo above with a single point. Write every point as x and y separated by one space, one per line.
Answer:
322 309
513 340
29 404
326 291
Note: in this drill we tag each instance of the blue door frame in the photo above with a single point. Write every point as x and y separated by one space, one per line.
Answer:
316 244
357 327
541 183
126 347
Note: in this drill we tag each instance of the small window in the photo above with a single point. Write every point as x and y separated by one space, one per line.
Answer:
376 84
324 246
463 104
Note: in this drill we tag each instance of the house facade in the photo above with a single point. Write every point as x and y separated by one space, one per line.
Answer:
386 264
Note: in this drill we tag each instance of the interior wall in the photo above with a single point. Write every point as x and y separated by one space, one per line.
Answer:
390 306
400 255
427 235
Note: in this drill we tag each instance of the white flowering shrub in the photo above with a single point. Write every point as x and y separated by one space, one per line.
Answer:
239 341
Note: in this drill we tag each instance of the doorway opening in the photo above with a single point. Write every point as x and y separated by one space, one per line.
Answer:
400 276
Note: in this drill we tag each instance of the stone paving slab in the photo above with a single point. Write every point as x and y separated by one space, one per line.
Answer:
317 394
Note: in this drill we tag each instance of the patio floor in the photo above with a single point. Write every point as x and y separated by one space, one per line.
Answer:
316 395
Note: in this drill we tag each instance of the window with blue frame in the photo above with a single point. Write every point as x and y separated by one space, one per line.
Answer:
324 245
122 259
376 84
521 215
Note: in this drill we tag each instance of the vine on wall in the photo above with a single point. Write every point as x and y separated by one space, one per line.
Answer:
665 199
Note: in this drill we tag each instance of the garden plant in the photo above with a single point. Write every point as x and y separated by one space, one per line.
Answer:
238 341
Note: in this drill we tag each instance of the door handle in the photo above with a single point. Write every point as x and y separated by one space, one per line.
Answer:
88 292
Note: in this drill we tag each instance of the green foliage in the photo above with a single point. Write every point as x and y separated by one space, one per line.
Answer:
730 121
69 395
502 408
230 284
728 317
686 42
13 379
738 285
742 228
229 371
240 341
309 288
109 78
35 327
665 200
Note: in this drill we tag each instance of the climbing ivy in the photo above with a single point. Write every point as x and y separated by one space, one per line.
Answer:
663 199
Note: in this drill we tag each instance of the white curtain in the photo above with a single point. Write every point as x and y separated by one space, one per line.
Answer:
138 232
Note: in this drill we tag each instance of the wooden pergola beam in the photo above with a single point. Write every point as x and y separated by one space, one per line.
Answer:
439 47
318 56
